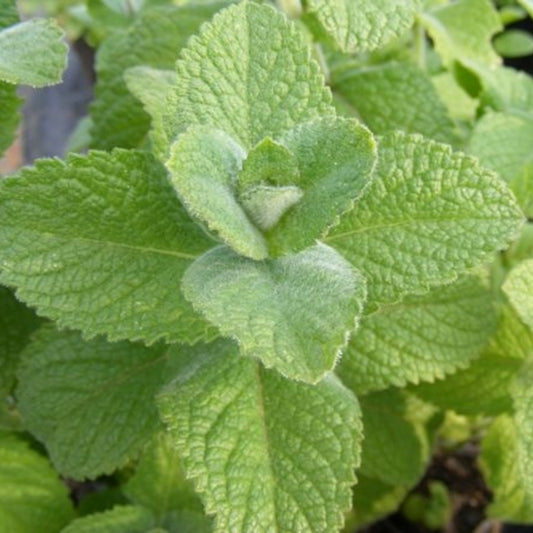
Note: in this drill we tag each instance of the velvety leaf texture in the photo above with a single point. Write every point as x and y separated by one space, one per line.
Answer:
91 403
121 519
428 215
519 289
32 53
32 497
99 243
420 339
266 454
360 25
217 87
294 313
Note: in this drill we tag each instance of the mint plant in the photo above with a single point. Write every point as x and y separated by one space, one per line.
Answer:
298 240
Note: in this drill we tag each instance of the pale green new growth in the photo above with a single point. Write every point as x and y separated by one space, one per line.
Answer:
99 243
360 25
420 339
121 519
32 53
428 215
267 454
519 289
91 403
32 497
294 313
247 73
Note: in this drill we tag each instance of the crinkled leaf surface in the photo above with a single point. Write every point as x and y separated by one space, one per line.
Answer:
154 39
90 402
267 454
421 338
32 497
248 73
519 289
335 157
463 30
294 313
121 519
360 25
32 53
428 215
99 243
9 114
395 96
203 166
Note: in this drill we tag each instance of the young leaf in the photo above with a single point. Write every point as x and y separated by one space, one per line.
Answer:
9 115
266 454
32 497
519 289
203 166
121 519
294 313
428 215
514 43
395 96
360 25
99 243
32 53
217 87
91 403
421 338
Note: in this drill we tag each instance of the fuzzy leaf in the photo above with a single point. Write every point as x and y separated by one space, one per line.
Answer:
266 454
294 313
121 519
421 338
360 25
217 87
99 243
9 115
32 497
32 53
428 215
519 289
90 402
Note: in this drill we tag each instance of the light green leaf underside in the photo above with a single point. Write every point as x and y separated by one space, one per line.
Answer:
153 40
90 402
519 289
360 25
463 30
17 322
294 313
483 387
32 53
203 167
396 96
420 339
392 449
428 215
32 497
121 519
266 454
248 73
9 115
335 157
99 243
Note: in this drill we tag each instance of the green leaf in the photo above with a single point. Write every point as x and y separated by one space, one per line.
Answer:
463 30
294 313
266 454
336 157
99 243
121 519
8 13
421 338
527 5
90 402
32 53
514 43
203 166
9 115
32 497
428 215
217 87
519 289
360 25
17 322
392 450
395 96
154 40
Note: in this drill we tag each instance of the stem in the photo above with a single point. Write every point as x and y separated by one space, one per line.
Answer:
293 8
420 46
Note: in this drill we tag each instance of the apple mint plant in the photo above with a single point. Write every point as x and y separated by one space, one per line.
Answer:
299 238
